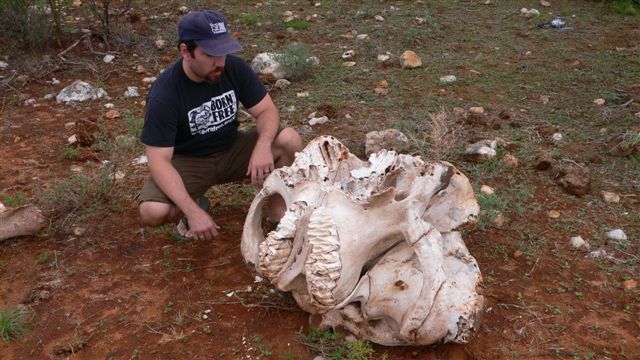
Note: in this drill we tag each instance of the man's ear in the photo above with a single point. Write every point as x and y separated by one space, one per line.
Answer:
184 51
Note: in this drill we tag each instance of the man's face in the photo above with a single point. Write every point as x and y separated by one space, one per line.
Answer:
205 67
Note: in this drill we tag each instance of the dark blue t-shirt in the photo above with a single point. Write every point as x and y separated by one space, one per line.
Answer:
199 119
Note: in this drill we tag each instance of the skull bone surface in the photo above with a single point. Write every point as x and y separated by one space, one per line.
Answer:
370 246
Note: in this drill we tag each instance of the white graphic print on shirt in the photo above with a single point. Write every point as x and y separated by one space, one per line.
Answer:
214 114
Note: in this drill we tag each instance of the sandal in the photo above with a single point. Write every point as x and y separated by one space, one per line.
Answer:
204 204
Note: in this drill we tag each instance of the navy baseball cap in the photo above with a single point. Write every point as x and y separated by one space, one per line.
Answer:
209 30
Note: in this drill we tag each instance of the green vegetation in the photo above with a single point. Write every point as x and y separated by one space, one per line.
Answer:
70 153
297 24
332 346
626 7
12 323
15 200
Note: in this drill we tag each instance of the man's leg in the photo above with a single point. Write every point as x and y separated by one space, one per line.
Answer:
154 213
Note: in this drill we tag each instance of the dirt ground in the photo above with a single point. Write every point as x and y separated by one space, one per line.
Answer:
99 286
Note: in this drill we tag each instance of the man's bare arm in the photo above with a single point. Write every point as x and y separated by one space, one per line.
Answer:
169 181
267 124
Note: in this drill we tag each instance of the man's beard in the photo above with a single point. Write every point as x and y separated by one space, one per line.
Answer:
216 78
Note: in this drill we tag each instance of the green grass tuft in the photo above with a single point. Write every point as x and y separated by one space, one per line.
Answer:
12 323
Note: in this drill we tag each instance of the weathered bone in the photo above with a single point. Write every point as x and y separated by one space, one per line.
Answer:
20 221
391 219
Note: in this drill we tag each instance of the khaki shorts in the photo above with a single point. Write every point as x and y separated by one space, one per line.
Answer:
199 173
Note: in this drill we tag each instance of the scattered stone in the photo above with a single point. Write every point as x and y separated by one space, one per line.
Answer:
547 130
573 179
70 125
161 44
141 160
149 80
629 284
108 58
544 99
30 102
578 243
381 91
80 91
305 129
419 20
458 111
112 114
72 139
303 94
378 18
349 63
610 197
383 57
118 175
348 54
557 137
319 357
140 69
55 81
517 254
510 160
282 84
599 101
3 65
481 151
318 120
498 220
266 65
362 36
287 13
554 214
476 110
390 139
487 190
410 60
597 254
183 10
544 3
529 13
78 231
448 79
617 234
132 91
109 105
22 78
49 96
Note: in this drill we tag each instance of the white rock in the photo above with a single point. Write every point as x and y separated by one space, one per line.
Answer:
448 79
132 91
287 13
108 58
476 110
49 96
597 254
378 18
282 83
80 91
141 160
349 63
118 175
545 3
617 234
258 279
291 108
420 20
265 64
161 44
610 197
362 36
312 115
3 65
557 137
183 9
303 94
72 139
70 125
599 102
149 80
349 54
318 120
55 81
109 105
383 57
578 242
30 102
487 190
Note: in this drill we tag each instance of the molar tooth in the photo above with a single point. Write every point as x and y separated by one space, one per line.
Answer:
323 263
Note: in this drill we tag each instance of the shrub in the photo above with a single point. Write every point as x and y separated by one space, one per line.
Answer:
16 200
626 7
24 24
296 61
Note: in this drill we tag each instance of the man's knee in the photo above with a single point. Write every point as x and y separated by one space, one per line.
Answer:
289 141
154 213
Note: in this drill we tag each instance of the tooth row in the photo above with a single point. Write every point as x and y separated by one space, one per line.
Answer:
323 263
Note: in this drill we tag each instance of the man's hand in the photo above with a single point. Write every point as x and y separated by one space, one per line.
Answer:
261 163
201 225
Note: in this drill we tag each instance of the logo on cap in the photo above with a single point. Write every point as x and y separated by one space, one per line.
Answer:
218 28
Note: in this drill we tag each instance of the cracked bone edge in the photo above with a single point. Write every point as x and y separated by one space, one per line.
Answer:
275 250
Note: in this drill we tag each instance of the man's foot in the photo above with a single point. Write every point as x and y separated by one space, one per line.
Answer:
179 233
